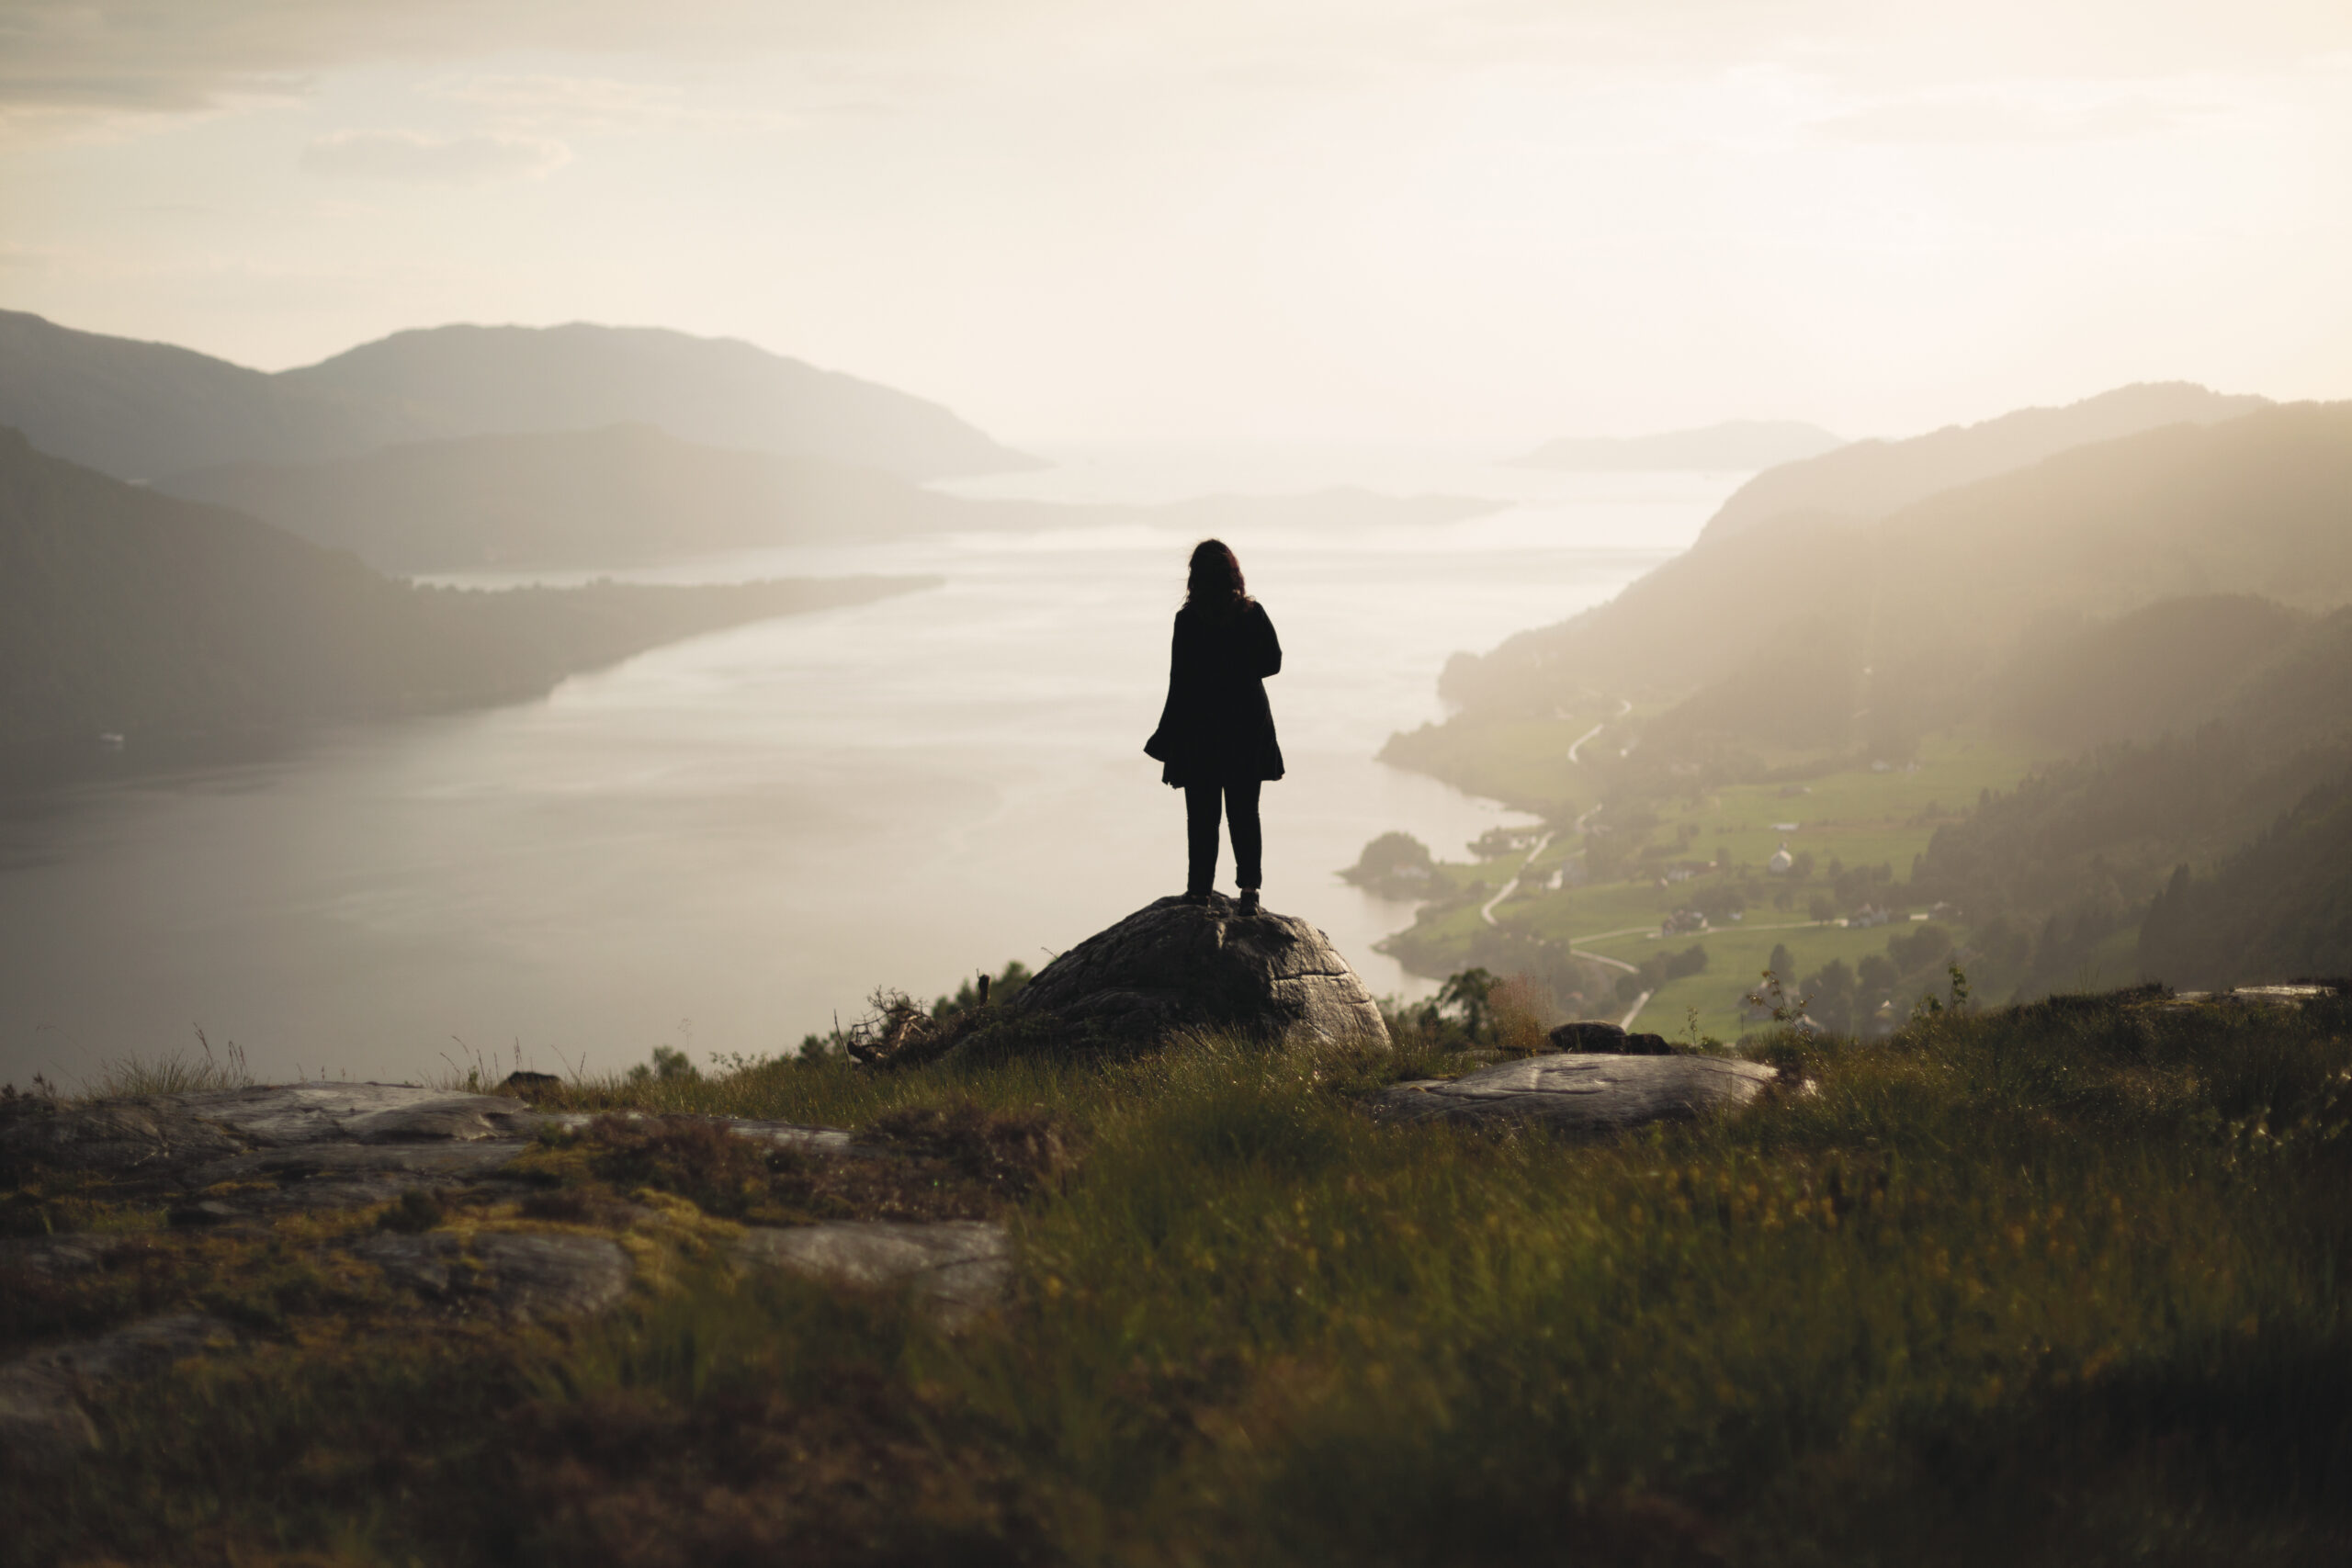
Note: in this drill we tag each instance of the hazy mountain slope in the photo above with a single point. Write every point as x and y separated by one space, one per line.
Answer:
1946 588
2280 908
136 410
125 610
567 499
140 410
2167 667
2113 821
1869 480
469 380
1735 444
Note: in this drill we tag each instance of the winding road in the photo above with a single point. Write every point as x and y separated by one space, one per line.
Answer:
1625 706
1487 913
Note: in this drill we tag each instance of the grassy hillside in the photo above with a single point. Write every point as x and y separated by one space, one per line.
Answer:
122 610
2044 1286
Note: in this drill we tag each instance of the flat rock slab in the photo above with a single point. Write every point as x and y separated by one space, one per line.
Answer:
130 1140
805 1137
958 1267
42 1422
279 1114
520 1276
1176 965
1583 1093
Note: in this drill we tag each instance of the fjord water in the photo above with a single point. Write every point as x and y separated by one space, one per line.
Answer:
722 844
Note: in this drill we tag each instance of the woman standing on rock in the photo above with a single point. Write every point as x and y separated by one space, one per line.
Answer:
1216 739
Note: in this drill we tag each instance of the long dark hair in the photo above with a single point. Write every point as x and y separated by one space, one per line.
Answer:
1214 583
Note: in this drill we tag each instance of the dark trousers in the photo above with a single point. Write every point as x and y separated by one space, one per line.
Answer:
1200 831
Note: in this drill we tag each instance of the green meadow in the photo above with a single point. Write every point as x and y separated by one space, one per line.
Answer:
1839 817
2056 1285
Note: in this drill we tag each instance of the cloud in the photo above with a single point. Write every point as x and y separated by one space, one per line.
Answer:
412 157
183 56
1988 118
596 103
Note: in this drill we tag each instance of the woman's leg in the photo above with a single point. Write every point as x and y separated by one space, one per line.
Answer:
1200 837
1249 839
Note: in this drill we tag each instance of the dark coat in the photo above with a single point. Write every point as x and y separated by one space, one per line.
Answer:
1216 726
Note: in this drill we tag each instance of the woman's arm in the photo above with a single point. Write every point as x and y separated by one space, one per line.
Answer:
1161 743
1269 660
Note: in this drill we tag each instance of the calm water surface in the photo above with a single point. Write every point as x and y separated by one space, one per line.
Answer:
722 844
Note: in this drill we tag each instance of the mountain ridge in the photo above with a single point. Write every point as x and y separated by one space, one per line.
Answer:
140 410
1872 479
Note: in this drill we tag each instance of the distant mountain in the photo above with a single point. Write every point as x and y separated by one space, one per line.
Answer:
1718 448
468 380
630 493
569 499
140 410
1810 621
1869 479
136 410
122 610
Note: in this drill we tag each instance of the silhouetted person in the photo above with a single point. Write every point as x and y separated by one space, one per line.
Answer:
1216 739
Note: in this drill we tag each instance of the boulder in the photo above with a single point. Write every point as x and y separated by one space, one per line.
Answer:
42 1424
279 1114
956 1268
1176 965
517 1275
1583 1093
1590 1034
1609 1039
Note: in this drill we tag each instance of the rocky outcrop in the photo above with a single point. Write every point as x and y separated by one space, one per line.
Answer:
1583 1093
42 1422
1175 966
1610 1039
957 1267
519 1277
464 1235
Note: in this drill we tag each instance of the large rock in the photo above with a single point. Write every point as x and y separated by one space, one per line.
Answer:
520 1276
1583 1093
304 1146
277 1115
42 1424
1175 966
956 1268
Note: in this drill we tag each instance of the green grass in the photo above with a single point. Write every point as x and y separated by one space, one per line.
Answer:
1736 959
2056 1285
1852 815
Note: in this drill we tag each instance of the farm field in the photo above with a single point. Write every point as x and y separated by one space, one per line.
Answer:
1853 833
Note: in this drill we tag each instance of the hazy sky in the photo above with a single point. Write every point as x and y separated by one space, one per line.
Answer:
1487 221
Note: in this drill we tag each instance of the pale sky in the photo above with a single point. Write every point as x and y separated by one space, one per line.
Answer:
1493 221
